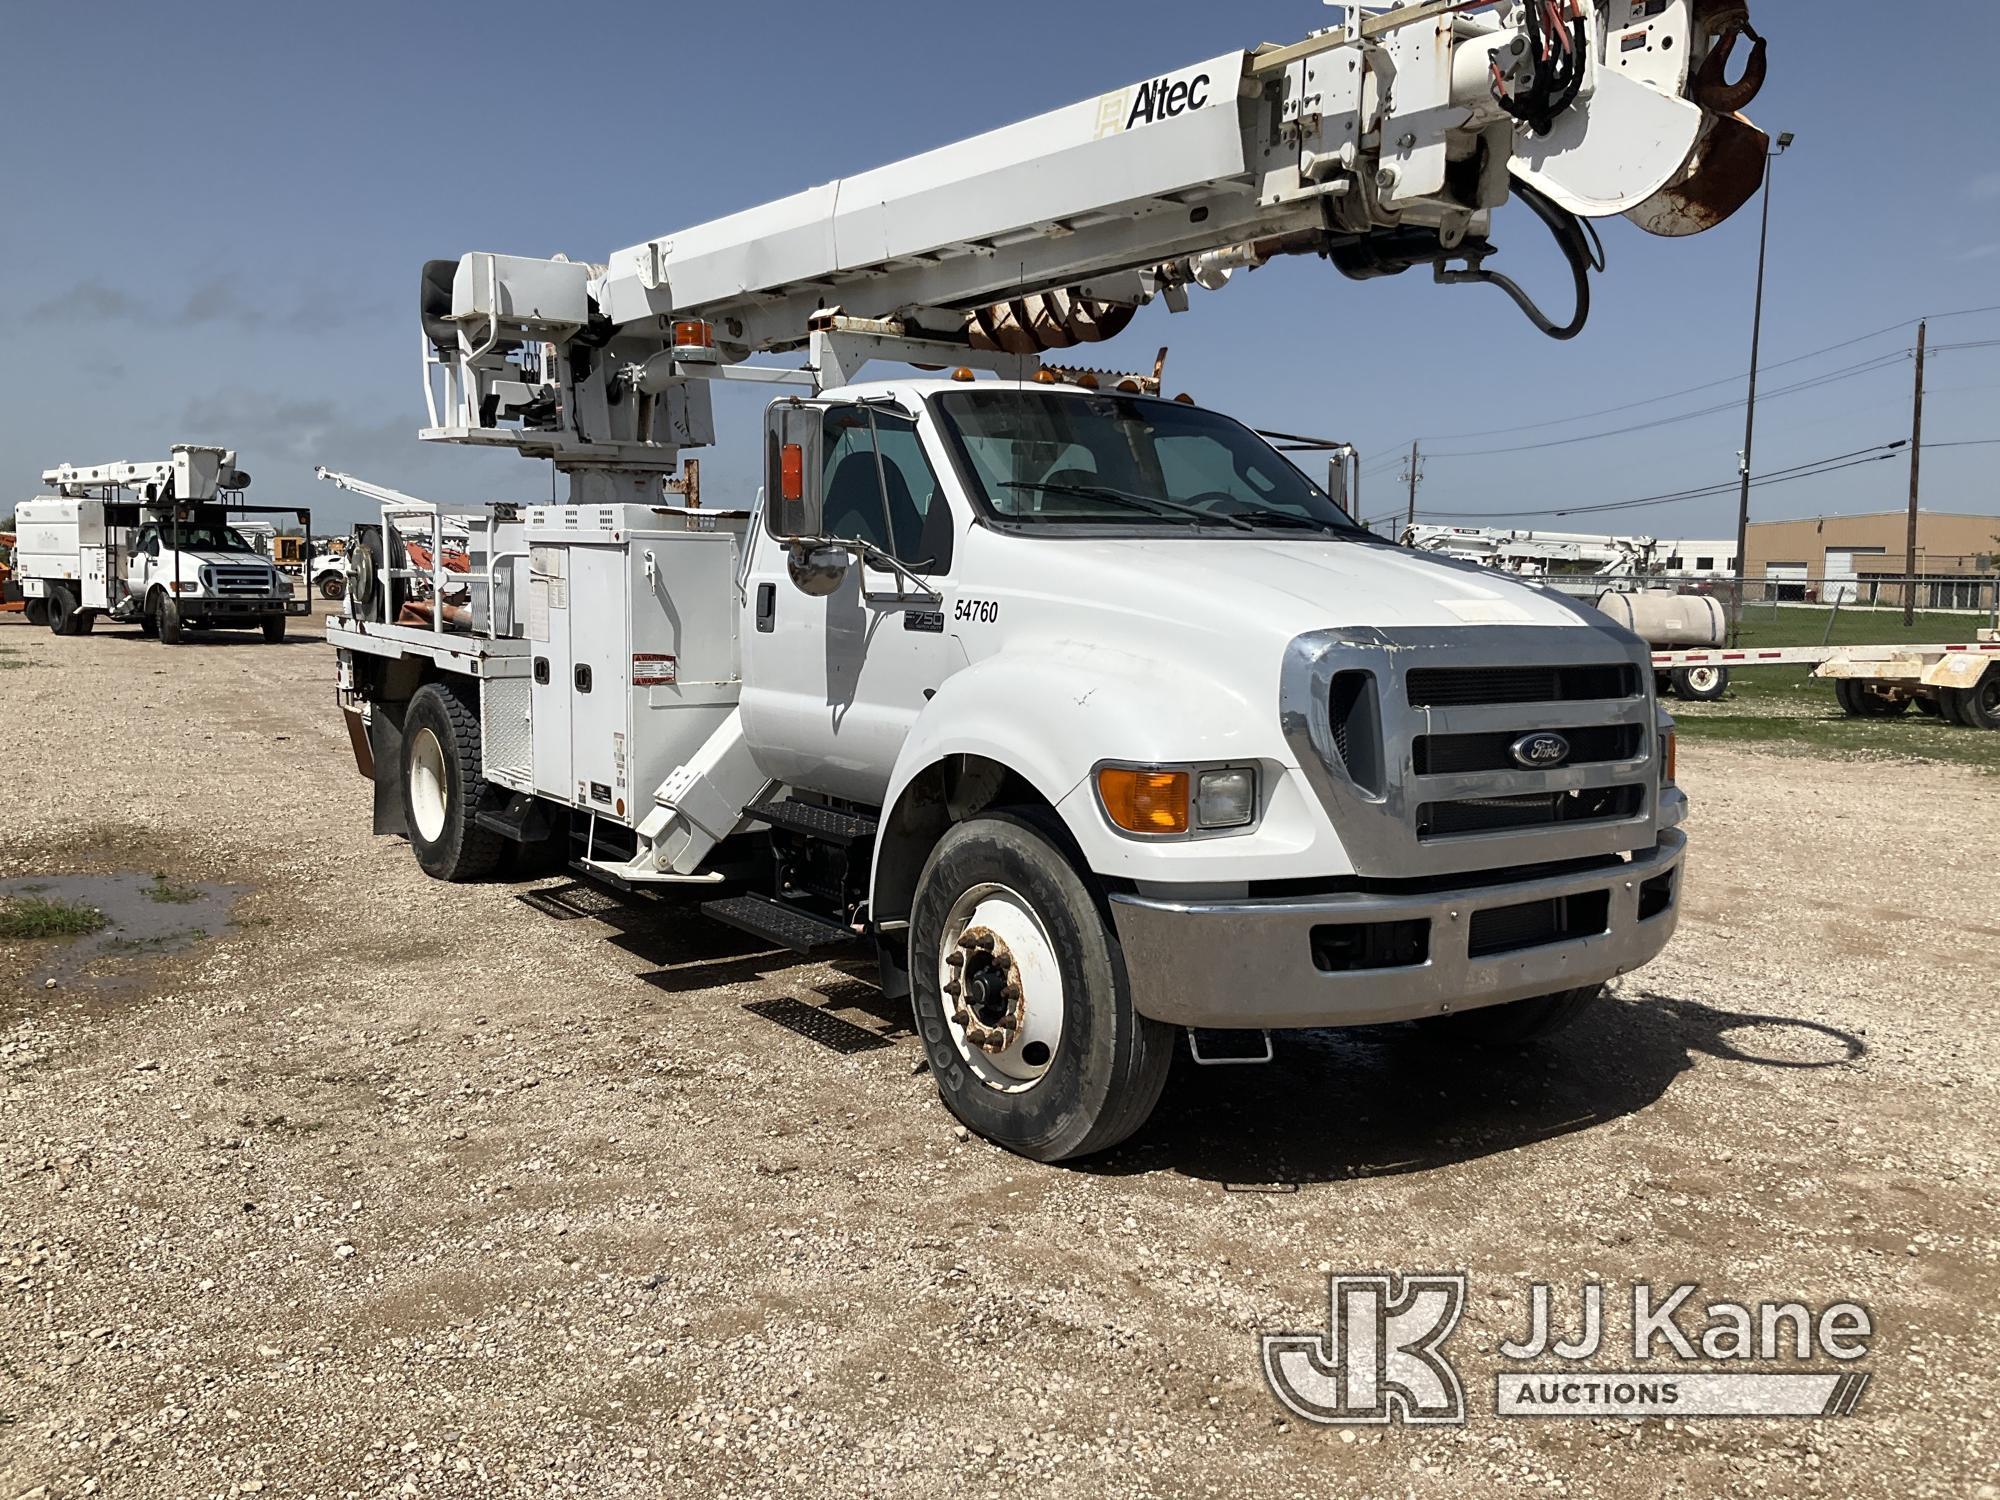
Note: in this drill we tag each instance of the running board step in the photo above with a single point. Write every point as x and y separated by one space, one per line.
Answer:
775 922
524 820
809 819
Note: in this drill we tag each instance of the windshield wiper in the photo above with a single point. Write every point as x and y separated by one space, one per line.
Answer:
1150 503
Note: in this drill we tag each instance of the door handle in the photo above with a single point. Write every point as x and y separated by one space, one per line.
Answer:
767 607
582 679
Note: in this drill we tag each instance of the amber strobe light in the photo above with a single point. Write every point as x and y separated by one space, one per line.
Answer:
1145 801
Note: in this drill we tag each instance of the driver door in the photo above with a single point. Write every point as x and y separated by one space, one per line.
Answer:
832 685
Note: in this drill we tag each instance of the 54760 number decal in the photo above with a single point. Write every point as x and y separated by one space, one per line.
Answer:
978 611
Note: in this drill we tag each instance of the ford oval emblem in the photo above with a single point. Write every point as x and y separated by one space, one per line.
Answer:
1540 751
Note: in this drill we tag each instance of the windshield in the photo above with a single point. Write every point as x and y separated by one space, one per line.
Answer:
1047 458
203 538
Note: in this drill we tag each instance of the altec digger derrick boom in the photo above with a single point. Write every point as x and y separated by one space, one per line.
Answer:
1382 144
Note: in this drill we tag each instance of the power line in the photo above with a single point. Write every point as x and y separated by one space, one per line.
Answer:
1607 411
1813 470
1850 372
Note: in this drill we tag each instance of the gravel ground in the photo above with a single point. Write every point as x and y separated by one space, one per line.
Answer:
382 1187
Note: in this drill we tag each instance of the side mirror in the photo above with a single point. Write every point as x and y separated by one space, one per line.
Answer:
794 501
817 571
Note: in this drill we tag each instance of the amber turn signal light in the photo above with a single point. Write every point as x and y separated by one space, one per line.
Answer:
1144 801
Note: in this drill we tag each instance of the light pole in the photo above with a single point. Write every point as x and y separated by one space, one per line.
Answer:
1750 413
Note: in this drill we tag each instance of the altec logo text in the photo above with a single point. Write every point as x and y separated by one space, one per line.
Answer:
1150 103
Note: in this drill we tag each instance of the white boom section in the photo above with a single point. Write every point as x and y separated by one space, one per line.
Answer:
190 472
1381 144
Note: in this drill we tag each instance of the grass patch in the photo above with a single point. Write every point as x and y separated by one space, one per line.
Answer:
1794 625
165 891
1789 711
36 917
7 658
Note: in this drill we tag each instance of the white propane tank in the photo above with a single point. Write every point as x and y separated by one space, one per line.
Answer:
1660 619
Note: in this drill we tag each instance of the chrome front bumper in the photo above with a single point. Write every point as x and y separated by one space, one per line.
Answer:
1252 964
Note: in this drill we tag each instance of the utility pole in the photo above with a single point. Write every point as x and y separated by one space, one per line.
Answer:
1415 476
1916 480
1750 411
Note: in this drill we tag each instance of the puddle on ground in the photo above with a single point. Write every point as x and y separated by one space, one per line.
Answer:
147 917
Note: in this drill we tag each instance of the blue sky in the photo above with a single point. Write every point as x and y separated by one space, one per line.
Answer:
213 216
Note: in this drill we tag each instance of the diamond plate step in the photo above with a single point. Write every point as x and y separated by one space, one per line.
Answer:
816 822
787 926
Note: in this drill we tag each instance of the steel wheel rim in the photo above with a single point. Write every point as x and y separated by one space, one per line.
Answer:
427 785
1032 1044
1702 679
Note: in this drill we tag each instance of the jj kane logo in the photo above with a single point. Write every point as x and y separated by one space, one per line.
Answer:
1382 1358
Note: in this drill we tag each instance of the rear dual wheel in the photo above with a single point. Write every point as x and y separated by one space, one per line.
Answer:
1976 707
1021 995
444 787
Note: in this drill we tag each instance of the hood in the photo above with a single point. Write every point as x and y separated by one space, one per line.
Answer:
221 559
1293 585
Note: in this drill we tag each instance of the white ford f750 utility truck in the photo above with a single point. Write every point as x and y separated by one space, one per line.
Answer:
1095 714
148 544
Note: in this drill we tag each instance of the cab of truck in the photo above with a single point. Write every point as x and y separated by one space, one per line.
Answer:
1117 685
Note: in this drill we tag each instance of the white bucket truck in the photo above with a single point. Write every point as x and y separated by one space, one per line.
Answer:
1095 715
148 544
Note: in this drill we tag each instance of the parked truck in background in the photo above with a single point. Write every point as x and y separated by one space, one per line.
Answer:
149 544
1086 708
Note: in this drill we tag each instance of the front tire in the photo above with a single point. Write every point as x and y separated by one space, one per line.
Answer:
1022 998
1701 684
444 787
274 628
333 586
167 622
1514 1025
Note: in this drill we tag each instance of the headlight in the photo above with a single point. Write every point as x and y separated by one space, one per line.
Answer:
1226 798
1178 802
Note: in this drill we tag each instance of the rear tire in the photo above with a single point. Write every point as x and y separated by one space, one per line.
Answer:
444 787
1069 1067
37 611
1701 684
1977 707
83 622
274 628
1513 1025
61 611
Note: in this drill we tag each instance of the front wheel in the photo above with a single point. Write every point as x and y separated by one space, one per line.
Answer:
1021 995
1701 684
167 622
1514 1025
332 586
444 786
274 628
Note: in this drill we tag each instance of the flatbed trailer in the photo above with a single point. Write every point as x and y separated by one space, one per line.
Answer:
1959 681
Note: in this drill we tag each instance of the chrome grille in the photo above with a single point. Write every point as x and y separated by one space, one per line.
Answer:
1408 736
229 582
